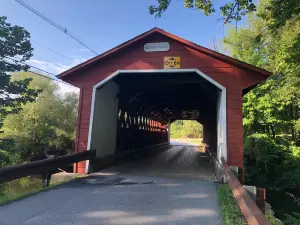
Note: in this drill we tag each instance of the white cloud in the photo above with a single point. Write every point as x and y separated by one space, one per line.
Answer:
56 68
47 66
65 88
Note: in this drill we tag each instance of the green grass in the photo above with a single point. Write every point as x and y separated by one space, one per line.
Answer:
272 220
196 141
21 188
229 209
231 212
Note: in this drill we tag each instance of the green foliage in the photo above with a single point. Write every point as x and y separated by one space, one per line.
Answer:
294 218
274 106
296 151
14 42
263 160
186 129
229 209
234 10
4 158
272 220
270 162
278 12
47 123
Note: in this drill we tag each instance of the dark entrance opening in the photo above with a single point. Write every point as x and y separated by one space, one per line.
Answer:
133 111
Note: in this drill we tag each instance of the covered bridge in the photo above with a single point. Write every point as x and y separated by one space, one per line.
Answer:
130 94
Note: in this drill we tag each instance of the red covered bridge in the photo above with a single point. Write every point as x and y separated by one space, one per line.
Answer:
128 98
130 94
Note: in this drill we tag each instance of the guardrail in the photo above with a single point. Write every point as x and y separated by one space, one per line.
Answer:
251 212
23 170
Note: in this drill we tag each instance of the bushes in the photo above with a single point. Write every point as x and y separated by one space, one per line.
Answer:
47 123
186 129
270 162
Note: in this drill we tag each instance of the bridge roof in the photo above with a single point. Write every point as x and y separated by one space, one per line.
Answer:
192 45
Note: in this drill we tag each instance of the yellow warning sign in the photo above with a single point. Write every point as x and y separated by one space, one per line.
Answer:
171 62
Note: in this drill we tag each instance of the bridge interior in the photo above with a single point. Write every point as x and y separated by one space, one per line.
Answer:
134 110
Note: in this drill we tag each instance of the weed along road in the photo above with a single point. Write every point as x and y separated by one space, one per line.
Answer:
174 186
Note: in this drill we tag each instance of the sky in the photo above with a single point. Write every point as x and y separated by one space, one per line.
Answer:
102 25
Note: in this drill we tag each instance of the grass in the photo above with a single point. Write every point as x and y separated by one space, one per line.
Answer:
196 141
229 209
272 220
231 212
21 188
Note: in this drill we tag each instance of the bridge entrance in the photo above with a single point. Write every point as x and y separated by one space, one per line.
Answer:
132 110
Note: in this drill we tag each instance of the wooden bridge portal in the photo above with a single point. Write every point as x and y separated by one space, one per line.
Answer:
130 95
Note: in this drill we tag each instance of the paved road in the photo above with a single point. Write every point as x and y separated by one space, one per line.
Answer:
177 161
112 197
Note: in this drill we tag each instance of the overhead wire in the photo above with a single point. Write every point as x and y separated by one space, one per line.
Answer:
51 49
18 60
56 25
34 67
56 80
42 58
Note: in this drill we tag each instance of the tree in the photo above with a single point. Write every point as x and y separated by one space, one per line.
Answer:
15 49
192 129
271 110
186 129
234 10
273 107
278 12
47 123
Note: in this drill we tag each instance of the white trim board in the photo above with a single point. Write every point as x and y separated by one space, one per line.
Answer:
165 71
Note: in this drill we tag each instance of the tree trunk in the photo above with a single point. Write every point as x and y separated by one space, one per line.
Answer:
268 130
273 131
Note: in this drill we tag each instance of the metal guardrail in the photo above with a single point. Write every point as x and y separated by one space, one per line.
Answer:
23 170
251 212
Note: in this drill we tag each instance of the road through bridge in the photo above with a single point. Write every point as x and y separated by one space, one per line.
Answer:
175 185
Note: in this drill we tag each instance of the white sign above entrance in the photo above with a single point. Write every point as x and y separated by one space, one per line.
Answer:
157 47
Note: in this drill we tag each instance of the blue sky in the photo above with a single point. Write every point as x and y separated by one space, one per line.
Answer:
103 24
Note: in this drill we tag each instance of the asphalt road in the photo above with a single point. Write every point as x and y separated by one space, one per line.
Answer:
172 187
176 161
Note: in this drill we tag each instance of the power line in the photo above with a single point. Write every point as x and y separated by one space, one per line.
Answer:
56 25
34 67
56 80
18 60
51 50
42 58
40 69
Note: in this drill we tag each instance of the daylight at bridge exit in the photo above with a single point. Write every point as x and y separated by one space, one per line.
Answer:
149 112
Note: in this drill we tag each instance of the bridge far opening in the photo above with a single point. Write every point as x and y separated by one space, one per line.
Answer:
187 132
132 113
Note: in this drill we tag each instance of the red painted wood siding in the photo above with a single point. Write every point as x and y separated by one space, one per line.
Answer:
231 77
